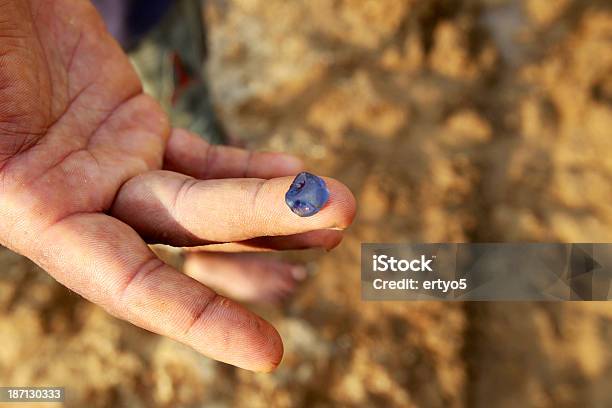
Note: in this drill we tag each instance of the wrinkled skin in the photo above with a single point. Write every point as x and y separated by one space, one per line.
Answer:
90 169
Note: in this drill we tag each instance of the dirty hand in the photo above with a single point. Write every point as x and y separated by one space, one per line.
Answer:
81 185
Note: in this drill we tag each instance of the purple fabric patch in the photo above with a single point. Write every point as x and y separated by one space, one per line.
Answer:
129 20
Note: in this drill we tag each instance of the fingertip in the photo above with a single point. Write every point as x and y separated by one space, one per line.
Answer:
333 239
268 354
327 239
341 202
274 356
232 334
270 164
291 164
270 214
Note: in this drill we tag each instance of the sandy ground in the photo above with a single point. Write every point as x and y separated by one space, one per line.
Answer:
450 121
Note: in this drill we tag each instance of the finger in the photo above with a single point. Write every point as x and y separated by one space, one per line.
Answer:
175 209
245 277
187 153
105 261
325 239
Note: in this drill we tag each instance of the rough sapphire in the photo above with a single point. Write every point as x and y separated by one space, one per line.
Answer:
307 194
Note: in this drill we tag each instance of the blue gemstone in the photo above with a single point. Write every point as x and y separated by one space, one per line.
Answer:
307 194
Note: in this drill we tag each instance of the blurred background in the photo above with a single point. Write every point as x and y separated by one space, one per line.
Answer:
476 120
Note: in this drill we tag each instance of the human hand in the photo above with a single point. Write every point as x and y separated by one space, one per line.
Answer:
81 184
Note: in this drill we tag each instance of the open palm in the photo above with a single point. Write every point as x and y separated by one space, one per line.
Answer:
82 187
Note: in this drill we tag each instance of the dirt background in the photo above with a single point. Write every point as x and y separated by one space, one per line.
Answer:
451 121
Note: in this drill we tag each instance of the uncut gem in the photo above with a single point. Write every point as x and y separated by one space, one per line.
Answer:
307 194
